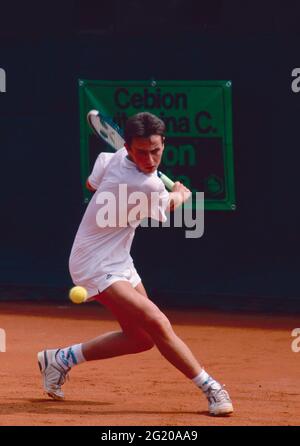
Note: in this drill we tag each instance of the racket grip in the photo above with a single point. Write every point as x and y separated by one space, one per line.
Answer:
166 180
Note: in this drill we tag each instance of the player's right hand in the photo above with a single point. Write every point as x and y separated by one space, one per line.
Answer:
184 191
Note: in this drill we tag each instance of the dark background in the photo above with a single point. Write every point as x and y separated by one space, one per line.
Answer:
246 259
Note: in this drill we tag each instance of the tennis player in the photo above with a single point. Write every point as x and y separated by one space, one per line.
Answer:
100 261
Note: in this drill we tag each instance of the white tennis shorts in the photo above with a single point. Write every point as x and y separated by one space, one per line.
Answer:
97 285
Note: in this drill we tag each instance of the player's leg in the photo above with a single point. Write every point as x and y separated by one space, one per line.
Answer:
56 363
141 289
143 324
136 306
140 319
131 339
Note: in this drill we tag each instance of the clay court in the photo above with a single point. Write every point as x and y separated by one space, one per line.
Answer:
251 354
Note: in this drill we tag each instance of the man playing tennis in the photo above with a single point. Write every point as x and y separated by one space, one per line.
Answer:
100 261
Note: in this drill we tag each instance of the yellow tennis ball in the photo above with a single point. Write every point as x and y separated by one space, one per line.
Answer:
78 294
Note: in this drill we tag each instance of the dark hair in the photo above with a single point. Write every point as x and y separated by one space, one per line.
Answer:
144 125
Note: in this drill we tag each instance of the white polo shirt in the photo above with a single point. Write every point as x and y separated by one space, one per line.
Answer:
100 250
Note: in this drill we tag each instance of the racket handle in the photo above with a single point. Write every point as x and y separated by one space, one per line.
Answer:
166 180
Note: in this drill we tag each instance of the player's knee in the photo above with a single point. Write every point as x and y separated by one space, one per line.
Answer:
143 342
159 325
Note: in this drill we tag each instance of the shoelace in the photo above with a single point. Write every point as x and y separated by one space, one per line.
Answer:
220 395
64 375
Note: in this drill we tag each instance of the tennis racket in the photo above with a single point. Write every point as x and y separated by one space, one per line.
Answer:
111 134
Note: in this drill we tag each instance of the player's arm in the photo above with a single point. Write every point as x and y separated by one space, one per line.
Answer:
178 196
89 186
95 178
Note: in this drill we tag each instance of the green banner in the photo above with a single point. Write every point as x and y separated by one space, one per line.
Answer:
198 118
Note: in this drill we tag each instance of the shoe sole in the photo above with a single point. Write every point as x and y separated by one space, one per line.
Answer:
224 411
43 362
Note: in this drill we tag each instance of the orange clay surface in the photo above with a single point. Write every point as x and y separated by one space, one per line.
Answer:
251 354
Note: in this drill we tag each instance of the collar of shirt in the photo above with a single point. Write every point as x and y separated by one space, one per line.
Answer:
129 164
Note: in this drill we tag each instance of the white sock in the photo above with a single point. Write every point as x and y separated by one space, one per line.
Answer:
70 356
204 381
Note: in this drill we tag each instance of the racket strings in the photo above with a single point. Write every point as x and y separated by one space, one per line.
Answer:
118 141
111 135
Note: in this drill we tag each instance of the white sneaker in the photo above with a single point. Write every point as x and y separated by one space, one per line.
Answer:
219 402
54 376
